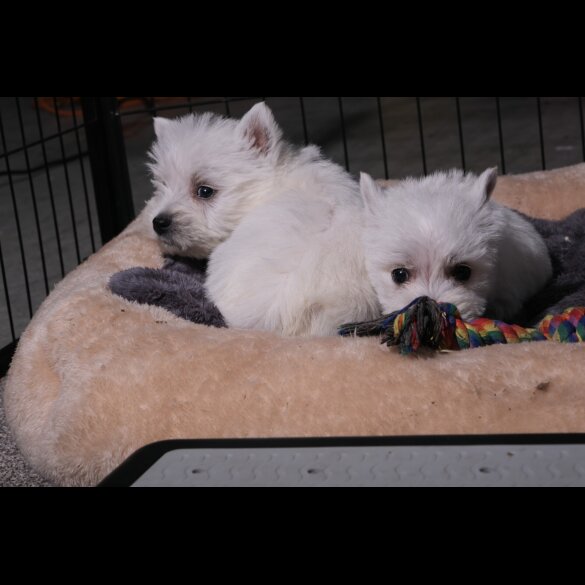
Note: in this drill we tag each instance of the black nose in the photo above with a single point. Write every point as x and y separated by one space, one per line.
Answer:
161 224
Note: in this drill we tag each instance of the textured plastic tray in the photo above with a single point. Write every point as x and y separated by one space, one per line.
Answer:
494 460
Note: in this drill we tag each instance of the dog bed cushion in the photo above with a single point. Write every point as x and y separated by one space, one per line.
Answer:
95 377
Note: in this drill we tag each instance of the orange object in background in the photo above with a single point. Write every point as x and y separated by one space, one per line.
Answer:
63 105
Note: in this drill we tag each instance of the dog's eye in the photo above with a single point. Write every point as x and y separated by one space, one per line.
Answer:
461 272
205 192
400 275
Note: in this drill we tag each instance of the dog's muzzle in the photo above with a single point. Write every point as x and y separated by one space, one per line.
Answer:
162 224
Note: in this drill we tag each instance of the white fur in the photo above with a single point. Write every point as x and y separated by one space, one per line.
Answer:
294 266
429 225
282 232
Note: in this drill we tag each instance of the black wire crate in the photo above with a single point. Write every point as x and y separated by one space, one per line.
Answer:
47 206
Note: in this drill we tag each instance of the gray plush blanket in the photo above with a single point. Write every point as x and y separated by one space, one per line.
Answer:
565 240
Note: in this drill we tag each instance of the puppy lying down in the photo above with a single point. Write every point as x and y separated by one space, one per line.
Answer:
279 224
442 237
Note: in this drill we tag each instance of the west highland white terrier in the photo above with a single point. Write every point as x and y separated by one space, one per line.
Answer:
280 225
442 237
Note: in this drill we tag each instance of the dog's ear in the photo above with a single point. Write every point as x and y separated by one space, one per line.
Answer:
486 183
371 192
160 125
260 129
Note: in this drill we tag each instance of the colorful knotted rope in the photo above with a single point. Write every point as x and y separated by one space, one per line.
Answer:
425 322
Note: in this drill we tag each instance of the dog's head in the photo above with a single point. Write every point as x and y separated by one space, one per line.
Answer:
208 172
434 237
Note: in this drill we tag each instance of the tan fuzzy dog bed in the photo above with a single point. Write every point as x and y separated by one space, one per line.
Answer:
95 377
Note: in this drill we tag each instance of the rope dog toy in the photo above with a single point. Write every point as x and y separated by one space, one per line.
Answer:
426 323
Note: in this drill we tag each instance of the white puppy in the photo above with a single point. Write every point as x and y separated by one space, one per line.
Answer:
281 226
442 237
